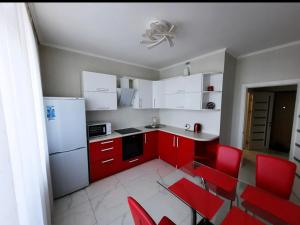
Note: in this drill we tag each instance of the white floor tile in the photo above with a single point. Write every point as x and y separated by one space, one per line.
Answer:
79 215
102 186
66 203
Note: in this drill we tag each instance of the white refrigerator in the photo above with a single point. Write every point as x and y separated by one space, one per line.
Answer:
67 144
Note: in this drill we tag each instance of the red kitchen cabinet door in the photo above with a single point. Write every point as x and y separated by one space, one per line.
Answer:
166 147
185 151
150 145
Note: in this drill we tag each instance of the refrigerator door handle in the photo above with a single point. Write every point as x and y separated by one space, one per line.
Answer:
76 149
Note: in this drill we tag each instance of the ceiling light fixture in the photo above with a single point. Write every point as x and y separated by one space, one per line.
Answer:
158 32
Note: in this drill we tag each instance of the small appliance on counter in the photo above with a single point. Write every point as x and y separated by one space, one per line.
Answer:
98 129
197 127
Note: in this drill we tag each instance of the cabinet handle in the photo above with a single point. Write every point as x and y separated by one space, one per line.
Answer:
173 141
106 107
107 149
134 160
154 103
107 161
102 89
106 142
177 141
145 138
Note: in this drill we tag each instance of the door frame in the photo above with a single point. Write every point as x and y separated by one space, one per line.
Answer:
242 116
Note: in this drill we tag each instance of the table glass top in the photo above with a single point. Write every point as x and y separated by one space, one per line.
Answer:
184 183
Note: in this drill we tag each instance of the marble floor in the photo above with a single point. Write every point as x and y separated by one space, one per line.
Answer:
105 202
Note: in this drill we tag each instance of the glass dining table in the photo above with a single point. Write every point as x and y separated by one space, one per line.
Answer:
211 193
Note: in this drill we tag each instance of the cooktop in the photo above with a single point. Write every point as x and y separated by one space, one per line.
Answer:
127 130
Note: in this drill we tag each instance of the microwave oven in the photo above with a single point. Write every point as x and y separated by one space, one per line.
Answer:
97 129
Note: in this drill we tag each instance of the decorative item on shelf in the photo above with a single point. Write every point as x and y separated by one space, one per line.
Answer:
197 127
210 105
210 88
187 69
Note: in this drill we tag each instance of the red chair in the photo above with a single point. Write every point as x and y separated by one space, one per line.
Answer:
141 217
275 175
238 217
228 160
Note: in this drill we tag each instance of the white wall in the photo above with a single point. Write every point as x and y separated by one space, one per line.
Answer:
276 65
210 120
61 76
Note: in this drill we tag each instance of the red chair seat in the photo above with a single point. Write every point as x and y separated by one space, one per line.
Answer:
270 207
238 217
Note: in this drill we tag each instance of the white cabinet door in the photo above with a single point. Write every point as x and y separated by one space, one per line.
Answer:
193 83
158 94
143 96
100 101
193 101
98 82
174 101
174 85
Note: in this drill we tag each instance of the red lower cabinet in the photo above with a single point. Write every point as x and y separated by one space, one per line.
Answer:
150 150
105 167
185 151
166 147
105 158
174 149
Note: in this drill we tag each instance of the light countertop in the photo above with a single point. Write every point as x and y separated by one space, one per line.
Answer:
169 129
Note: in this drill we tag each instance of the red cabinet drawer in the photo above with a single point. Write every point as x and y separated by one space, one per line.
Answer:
105 167
132 162
105 149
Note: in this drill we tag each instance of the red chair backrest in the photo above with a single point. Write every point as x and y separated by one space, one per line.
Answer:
228 160
140 216
275 175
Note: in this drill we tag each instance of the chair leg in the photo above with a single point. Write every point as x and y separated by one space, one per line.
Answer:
237 201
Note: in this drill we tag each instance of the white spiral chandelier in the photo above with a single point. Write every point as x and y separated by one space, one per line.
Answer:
158 32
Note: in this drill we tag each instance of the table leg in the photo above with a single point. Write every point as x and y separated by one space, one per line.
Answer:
194 217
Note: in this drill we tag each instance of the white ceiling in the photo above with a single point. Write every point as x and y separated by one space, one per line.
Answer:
114 29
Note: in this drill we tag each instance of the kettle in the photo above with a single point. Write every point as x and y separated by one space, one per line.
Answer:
197 127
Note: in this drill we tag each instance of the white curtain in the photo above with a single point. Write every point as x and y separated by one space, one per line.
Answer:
25 193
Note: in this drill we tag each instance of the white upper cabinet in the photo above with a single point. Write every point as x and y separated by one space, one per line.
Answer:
175 101
174 85
99 91
143 96
193 83
158 99
100 101
98 82
193 101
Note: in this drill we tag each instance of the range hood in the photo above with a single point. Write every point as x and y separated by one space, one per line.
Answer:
125 92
